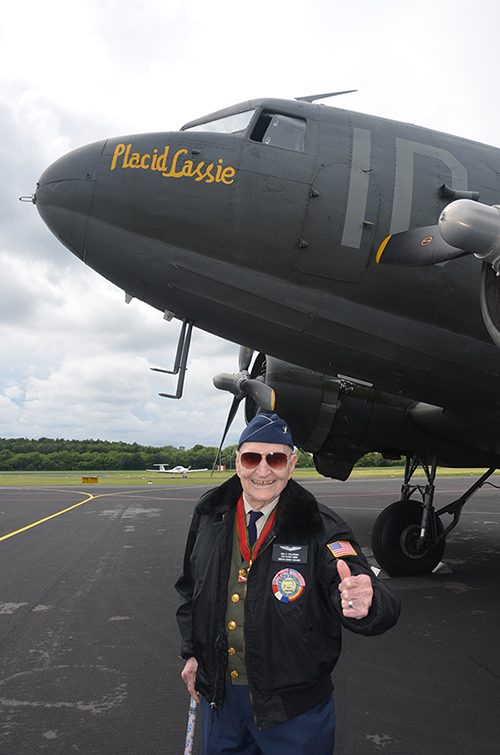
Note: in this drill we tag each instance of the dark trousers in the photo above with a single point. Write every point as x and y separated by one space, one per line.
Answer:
234 731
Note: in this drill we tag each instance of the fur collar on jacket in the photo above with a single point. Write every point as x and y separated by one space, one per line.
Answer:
298 511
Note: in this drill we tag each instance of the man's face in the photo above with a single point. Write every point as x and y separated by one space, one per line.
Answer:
262 483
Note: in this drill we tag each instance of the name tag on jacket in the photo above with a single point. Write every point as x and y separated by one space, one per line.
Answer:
290 554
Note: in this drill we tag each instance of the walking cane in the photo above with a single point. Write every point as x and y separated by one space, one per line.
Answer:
193 706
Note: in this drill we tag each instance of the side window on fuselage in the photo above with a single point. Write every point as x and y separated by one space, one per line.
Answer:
280 131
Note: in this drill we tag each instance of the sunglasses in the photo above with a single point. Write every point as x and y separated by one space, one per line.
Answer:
252 459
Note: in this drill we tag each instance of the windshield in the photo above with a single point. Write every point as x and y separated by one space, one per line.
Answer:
231 124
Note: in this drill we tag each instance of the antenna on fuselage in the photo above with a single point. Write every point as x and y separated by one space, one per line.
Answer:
312 97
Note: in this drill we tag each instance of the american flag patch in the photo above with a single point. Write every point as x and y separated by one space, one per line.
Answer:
342 548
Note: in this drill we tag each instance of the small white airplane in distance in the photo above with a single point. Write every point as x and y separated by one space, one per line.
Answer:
176 470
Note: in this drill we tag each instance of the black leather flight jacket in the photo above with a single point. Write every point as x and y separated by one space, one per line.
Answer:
291 647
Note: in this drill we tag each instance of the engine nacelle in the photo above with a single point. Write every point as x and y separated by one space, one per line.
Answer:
473 227
339 420
322 418
309 398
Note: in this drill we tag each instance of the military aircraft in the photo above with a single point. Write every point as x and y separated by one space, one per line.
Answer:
358 256
179 469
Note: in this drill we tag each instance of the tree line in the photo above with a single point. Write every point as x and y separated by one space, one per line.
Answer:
47 454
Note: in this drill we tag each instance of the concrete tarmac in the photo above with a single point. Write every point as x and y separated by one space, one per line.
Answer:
89 645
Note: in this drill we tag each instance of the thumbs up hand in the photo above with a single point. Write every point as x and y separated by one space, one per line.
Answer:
356 592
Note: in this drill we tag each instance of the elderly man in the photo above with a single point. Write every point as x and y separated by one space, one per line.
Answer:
269 578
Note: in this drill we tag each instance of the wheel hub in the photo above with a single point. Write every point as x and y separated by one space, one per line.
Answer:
411 543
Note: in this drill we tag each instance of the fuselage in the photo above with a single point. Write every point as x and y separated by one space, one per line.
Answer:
266 235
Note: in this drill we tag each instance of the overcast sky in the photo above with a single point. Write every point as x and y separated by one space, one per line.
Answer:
74 357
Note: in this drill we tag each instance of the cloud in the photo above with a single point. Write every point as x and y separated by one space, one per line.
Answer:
75 358
79 363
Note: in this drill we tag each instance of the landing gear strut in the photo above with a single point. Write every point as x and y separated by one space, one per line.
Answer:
408 537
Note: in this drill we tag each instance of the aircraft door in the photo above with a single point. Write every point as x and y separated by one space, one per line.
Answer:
341 219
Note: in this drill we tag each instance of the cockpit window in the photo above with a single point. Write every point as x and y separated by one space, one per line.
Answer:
273 129
280 131
231 124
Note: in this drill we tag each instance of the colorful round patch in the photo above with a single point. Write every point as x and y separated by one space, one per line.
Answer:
288 585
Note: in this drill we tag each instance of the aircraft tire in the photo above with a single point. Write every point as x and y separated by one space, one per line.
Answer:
395 540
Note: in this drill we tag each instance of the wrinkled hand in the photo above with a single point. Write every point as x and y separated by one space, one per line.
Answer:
189 675
357 589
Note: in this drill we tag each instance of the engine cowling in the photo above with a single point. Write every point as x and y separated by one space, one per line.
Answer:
476 227
339 420
490 302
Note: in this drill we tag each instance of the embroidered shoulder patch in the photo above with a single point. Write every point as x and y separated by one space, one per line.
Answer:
342 548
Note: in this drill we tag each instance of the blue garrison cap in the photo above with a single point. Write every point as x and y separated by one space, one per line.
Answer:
267 428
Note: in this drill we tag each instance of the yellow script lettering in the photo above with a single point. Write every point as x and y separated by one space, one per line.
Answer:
228 173
219 171
119 150
208 175
197 171
125 159
172 172
187 169
135 160
161 163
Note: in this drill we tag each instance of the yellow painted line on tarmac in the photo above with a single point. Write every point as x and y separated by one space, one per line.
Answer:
58 513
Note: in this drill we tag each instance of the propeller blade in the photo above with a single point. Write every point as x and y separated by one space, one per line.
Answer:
417 248
230 417
244 358
263 395
223 381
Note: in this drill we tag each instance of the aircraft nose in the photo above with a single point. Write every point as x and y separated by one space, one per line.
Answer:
64 195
